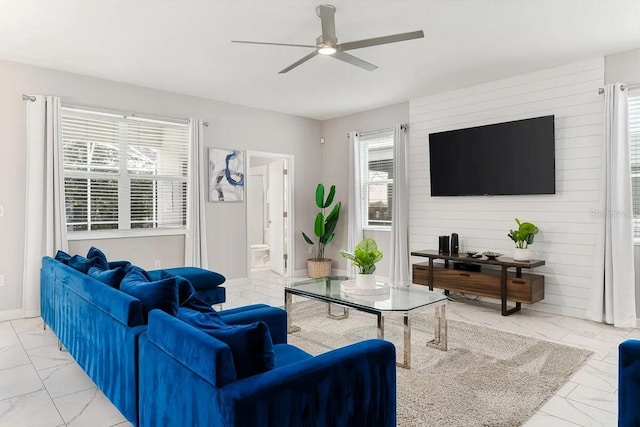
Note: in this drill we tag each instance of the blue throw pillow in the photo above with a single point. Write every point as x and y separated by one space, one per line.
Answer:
161 294
111 277
95 258
138 270
185 290
188 297
251 345
63 257
98 258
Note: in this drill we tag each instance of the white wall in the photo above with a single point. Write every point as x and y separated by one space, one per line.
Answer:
335 170
566 220
231 126
623 67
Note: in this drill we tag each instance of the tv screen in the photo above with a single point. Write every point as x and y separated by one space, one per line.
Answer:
508 158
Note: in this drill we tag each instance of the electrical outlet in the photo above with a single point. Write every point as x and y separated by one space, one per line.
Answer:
1 279
157 264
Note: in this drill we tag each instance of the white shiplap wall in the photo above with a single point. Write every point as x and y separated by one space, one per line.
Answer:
566 219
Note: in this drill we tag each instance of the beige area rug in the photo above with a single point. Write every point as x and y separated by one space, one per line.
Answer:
486 378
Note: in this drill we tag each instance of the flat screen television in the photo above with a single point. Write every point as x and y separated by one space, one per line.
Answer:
508 158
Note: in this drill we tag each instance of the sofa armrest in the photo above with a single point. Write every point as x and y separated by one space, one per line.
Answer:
629 383
275 318
352 385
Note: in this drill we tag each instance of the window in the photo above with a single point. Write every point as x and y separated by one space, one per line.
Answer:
376 158
123 173
634 144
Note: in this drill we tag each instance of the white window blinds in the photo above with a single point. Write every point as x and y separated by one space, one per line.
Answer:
122 172
634 144
376 158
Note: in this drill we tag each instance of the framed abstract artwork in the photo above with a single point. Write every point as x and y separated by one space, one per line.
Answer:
226 175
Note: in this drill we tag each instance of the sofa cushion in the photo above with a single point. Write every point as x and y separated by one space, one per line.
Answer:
250 345
111 277
161 294
285 354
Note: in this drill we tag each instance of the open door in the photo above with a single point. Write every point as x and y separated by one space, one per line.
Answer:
277 215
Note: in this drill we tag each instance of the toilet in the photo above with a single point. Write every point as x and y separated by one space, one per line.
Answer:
259 255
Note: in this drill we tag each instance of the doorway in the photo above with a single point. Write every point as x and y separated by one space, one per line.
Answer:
269 212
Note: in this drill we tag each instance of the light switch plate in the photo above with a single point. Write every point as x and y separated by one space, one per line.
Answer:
1 211
1 279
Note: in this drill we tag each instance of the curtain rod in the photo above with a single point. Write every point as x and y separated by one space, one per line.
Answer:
32 98
403 126
622 87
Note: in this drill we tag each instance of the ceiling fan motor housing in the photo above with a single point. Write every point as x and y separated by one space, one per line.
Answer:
321 42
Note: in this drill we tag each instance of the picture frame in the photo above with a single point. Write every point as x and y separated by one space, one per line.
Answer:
226 175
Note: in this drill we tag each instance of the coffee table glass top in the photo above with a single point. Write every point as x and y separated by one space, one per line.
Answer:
398 298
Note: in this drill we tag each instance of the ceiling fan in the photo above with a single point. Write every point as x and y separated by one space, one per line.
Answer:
327 42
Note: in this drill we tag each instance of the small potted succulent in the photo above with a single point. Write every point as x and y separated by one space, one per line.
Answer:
523 237
364 257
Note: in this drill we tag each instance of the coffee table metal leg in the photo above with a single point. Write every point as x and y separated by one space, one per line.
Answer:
380 326
330 315
440 329
287 307
406 356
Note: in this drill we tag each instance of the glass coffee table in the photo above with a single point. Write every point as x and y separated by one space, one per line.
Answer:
401 301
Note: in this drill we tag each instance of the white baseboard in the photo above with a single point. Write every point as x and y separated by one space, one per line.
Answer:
10 314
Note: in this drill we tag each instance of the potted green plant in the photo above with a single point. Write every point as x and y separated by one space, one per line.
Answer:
324 230
523 237
364 257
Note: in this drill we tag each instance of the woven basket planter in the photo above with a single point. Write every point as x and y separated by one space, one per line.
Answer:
319 267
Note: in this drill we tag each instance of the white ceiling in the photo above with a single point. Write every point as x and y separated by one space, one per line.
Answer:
184 46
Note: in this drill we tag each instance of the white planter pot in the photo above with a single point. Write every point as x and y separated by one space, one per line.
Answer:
365 281
521 254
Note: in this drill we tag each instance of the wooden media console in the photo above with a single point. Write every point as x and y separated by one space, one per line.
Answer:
495 281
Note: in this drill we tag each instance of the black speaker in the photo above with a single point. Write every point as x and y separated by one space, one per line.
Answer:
443 244
455 245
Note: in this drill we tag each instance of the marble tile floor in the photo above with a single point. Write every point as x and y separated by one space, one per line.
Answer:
41 386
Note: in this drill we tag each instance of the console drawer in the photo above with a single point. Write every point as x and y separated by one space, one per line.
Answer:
527 289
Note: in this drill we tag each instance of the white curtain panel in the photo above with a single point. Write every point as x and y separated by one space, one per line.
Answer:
195 251
45 222
399 253
612 298
354 217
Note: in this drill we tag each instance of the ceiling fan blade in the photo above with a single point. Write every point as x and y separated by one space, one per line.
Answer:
327 18
381 40
274 44
342 56
298 62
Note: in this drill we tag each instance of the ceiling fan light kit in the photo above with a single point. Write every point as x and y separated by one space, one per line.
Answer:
327 43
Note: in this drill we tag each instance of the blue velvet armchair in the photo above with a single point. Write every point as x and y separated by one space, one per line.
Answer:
629 383
187 377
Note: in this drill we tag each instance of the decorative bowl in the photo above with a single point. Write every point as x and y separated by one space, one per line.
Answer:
492 255
471 253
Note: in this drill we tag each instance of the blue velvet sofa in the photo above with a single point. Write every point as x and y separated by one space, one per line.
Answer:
350 386
160 370
99 325
629 383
